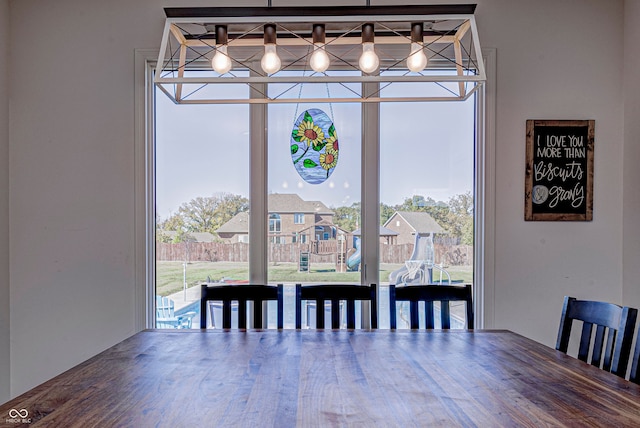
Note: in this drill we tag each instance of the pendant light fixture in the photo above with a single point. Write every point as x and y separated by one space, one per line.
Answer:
289 46
221 61
270 60
369 61
319 60
417 60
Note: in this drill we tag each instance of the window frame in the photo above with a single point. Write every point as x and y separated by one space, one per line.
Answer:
144 192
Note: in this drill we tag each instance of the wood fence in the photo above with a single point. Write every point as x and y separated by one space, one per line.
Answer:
320 252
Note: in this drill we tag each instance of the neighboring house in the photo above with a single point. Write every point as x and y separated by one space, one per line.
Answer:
387 236
236 229
291 220
407 224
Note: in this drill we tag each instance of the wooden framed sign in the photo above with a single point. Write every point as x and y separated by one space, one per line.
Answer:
559 174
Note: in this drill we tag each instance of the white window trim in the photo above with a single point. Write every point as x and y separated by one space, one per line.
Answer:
485 198
144 230
277 223
144 193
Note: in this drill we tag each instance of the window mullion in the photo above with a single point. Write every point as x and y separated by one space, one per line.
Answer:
370 208
258 212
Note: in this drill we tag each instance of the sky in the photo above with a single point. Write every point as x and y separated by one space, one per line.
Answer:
201 150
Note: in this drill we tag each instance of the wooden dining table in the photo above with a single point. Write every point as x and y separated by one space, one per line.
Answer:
289 378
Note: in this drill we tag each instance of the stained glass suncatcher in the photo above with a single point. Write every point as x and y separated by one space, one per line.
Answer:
314 146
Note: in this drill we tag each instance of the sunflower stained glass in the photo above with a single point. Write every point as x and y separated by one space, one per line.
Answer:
314 146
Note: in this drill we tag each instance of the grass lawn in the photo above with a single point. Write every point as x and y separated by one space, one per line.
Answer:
170 275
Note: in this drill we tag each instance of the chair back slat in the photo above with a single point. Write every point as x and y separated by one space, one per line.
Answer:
445 315
226 314
598 347
414 315
608 352
241 293
613 323
429 316
257 312
336 293
429 294
634 376
585 341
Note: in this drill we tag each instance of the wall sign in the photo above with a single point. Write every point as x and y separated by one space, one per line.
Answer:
559 174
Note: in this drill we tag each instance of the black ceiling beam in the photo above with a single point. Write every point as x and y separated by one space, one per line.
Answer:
307 34
267 12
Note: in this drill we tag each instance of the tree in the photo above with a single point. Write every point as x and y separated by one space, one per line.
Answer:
462 204
386 211
198 214
201 214
461 216
172 224
347 218
228 206
207 214
163 236
175 222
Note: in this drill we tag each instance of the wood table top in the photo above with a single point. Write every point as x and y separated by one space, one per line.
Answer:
306 378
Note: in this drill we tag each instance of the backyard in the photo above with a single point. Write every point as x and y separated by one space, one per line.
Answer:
170 275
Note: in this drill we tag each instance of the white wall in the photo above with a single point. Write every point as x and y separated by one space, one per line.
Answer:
72 176
556 60
4 203
631 272
71 181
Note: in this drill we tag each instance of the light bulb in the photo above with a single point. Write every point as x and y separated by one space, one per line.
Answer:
270 61
417 61
319 60
221 62
368 60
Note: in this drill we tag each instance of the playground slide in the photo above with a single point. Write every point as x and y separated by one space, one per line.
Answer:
353 262
422 251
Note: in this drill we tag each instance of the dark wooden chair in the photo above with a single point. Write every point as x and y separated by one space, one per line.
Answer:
241 293
429 294
614 322
335 293
634 376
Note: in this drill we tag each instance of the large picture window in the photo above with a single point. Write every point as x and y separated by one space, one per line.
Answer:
426 168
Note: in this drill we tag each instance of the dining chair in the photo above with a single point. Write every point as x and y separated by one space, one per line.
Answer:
614 322
336 293
241 293
634 376
430 294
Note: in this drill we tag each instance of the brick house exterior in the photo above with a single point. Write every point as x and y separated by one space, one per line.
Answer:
291 220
